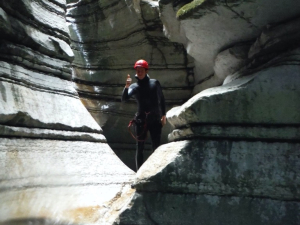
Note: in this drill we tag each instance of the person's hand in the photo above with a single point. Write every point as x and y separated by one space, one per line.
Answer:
128 81
163 120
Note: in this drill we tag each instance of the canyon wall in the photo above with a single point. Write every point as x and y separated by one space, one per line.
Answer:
230 73
233 156
55 164
108 37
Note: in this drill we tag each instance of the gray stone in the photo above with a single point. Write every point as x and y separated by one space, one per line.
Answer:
208 28
70 182
183 209
231 60
275 39
41 108
223 167
282 133
25 33
22 132
26 57
264 97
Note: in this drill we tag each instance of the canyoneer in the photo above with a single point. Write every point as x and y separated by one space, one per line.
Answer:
151 112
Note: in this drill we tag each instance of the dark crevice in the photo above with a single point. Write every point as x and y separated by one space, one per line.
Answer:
37 87
51 138
262 125
51 9
237 139
240 16
61 75
22 120
63 6
210 194
44 28
96 9
27 187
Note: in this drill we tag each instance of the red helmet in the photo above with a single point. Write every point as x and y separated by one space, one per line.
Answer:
141 63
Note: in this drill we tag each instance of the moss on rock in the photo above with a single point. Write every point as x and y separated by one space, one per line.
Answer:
188 9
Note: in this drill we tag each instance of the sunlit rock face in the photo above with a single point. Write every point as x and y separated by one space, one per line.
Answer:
208 27
55 164
108 36
233 156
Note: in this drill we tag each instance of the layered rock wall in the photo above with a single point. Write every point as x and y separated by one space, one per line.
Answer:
56 167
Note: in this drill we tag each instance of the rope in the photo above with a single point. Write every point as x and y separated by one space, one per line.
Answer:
131 122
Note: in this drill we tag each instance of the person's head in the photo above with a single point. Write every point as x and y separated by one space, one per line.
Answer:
141 66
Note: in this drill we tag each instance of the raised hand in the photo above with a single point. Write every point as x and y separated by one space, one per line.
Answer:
128 81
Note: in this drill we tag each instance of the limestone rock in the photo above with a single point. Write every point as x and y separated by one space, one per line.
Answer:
260 98
23 132
55 164
18 104
60 181
175 209
222 168
231 60
27 34
217 181
276 39
259 132
208 27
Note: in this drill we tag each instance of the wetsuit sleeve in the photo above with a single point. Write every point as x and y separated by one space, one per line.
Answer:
161 99
127 93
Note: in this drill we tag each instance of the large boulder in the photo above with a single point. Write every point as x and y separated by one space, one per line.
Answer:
267 97
208 27
217 182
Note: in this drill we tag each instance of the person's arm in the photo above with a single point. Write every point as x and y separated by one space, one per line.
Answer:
162 104
126 94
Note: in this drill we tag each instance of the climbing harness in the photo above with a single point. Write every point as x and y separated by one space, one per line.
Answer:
134 122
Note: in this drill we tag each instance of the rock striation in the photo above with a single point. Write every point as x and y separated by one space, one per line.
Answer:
56 167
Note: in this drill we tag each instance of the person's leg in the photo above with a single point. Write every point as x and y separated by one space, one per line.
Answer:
141 133
155 132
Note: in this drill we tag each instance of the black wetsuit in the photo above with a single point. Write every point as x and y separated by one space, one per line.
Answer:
151 107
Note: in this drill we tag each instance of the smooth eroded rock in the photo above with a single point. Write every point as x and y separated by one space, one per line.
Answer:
223 167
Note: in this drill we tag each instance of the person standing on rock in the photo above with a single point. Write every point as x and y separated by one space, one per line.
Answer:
151 113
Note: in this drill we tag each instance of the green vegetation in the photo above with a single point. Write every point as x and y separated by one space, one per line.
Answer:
188 9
